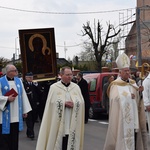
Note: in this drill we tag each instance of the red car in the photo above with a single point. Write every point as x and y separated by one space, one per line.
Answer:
96 82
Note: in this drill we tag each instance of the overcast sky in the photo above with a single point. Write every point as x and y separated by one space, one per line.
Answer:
67 26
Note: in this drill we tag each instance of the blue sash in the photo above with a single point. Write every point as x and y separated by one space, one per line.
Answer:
6 113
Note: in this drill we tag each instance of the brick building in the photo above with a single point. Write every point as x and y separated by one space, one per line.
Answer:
131 40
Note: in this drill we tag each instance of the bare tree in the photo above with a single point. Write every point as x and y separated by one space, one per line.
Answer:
100 45
88 53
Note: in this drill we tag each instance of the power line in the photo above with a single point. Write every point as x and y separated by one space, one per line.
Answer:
102 35
70 45
62 13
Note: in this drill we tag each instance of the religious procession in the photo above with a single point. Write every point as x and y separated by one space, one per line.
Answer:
51 103
127 107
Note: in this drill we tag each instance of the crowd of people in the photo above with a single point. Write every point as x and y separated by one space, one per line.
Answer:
62 107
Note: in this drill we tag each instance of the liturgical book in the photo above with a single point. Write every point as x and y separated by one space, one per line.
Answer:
10 92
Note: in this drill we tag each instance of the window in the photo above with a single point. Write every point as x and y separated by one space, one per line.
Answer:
93 85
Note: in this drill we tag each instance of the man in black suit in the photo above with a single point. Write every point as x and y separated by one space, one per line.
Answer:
85 93
105 98
33 94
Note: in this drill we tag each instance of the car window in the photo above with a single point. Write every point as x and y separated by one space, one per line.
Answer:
93 85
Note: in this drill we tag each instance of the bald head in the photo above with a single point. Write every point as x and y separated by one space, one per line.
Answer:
9 67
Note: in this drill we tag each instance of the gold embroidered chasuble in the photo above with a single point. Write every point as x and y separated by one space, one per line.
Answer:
126 116
53 123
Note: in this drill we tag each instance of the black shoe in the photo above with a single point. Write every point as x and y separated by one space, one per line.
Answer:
86 122
30 136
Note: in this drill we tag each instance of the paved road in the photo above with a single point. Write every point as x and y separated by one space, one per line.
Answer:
95 133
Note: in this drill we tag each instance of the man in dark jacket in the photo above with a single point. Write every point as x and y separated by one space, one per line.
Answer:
85 93
33 94
105 99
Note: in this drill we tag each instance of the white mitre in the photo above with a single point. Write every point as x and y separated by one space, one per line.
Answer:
123 61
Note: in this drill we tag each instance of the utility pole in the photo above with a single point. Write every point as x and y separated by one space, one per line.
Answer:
65 49
13 59
138 30
16 53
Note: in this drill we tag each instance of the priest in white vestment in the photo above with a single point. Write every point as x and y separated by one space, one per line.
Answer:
146 98
62 126
12 109
127 122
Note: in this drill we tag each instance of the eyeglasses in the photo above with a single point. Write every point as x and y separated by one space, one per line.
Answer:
68 75
13 70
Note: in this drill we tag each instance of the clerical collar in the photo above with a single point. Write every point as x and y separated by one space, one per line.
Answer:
125 80
65 84
10 79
